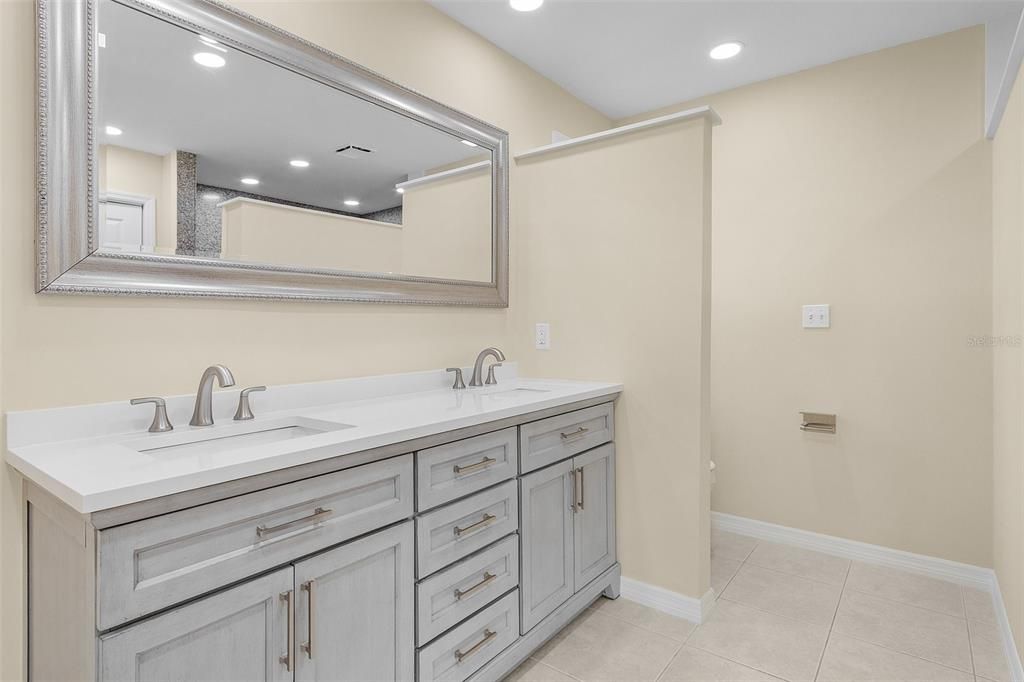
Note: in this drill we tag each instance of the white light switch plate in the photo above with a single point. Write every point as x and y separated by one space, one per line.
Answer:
817 316
543 337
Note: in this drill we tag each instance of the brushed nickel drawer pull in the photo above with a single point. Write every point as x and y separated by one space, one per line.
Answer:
482 464
318 514
289 658
460 656
309 587
575 434
487 520
488 578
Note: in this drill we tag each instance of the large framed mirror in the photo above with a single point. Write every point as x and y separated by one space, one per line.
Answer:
187 149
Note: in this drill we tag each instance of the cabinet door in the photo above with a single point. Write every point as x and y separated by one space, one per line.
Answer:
594 521
355 613
546 577
238 634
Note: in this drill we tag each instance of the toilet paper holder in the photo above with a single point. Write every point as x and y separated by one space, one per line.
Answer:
818 422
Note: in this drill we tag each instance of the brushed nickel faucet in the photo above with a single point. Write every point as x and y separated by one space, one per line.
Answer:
203 413
478 368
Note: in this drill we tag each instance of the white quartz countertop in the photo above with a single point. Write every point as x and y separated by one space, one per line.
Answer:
97 457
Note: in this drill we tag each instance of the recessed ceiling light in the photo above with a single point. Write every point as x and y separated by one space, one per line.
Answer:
525 5
211 196
299 163
351 202
209 60
468 143
726 50
250 181
113 130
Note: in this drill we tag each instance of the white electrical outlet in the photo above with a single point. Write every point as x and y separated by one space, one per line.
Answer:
817 316
543 336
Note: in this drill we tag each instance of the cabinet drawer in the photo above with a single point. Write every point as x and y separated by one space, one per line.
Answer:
460 653
454 470
549 440
158 562
450 533
458 591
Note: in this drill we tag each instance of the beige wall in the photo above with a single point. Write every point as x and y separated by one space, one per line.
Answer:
1008 368
263 232
446 228
63 351
864 184
618 265
134 172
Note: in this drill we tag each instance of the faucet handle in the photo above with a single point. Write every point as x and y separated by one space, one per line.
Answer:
160 421
491 379
459 383
244 411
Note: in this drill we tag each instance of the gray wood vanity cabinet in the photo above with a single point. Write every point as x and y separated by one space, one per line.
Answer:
449 557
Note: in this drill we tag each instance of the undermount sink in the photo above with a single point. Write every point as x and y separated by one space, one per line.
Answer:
211 440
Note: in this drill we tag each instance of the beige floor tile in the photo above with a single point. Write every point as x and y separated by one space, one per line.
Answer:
722 571
848 659
987 648
979 605
694 665
535 671
919 632
599 647
780 646
784 594
802 562
905 587
728 545
645 617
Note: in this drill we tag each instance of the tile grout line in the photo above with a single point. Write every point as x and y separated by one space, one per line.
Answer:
645 628
903 603
670 659
548 665
828 637
970 643
947 666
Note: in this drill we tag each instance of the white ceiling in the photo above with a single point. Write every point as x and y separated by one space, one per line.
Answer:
626 57
250 118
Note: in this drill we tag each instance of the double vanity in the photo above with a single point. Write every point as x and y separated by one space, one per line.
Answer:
385 528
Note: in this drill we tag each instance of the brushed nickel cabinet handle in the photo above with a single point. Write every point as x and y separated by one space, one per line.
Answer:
482 464
460 656
488 578
572 490
575 434
309 588
579 489
289 658
487 520
318 515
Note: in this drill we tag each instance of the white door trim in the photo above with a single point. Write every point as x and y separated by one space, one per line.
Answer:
148 205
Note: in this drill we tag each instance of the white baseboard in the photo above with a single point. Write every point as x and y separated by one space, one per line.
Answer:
667 601
944 569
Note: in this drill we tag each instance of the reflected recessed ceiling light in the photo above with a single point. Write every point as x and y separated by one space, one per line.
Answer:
726 50
525 5
113 130
211 196
209 59
468 143
299 163
400 190
250 181
351 202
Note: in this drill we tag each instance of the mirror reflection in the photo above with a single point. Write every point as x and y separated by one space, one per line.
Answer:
208 151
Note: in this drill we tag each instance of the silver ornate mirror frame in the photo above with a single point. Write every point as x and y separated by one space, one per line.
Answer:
67 261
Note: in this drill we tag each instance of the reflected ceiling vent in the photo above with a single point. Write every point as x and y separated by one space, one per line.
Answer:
354 152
